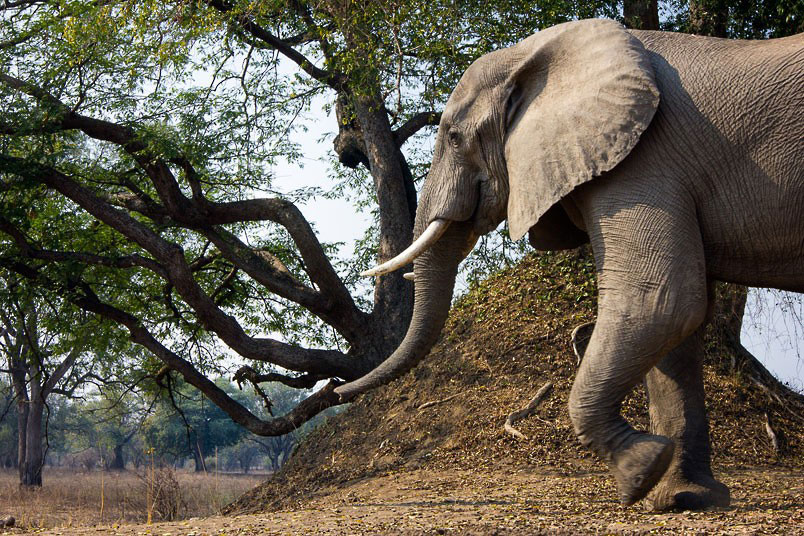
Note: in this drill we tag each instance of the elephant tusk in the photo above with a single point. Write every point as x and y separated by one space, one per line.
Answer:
410 276
427 239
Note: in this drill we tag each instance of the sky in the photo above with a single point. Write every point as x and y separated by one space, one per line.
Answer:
771 332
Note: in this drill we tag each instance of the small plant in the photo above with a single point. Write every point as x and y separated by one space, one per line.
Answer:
168 500
164 497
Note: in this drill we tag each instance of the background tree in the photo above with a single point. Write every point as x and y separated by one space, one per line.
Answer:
185 424
46 345
8 425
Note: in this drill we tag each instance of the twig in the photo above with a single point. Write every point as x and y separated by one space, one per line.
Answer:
526 411
436 402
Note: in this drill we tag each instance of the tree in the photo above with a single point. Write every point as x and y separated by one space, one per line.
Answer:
243 455
641 14
41 356
131 188
8 426
116 415
185 424
743 19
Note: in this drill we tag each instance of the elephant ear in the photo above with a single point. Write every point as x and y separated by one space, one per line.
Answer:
579 96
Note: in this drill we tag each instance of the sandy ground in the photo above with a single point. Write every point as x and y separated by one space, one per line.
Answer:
765 501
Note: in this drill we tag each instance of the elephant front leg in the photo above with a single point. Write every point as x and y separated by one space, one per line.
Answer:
677 411
653 295
607 374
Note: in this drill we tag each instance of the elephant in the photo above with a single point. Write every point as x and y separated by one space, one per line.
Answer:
679 158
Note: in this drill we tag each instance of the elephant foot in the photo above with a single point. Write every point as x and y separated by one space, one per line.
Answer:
676 492
639 465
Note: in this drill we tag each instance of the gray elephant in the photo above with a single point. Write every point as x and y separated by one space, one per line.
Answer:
680 158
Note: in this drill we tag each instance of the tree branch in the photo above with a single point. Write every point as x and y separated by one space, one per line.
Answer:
65 365
526 411
188 212
247 23
179 274
303 412
126 261
307 409
305 381
415 124
124 136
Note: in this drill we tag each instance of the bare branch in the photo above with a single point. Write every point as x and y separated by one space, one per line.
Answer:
415 124
305 381
526 411
66 364
247 23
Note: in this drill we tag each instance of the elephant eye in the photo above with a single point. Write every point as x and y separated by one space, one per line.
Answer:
454 138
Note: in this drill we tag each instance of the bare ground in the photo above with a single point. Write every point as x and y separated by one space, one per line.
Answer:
765 501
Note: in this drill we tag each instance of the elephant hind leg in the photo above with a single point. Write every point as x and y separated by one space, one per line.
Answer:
677 410
653 295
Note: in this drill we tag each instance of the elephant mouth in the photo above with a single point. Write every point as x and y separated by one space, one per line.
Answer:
429 237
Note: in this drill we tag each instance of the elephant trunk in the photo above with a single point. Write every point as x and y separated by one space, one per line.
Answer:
435 271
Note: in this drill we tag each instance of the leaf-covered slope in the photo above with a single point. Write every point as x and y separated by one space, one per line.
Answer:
504 340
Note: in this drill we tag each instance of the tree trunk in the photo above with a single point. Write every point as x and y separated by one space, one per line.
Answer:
118 462
727 324
198 458
393 296
435 271
641 14
18 374
31 468
22 436
709 17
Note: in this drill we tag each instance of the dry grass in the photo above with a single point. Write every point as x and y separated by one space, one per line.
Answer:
71 499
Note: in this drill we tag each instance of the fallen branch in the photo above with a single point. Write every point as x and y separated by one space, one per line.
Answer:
775 438
436 402
526 411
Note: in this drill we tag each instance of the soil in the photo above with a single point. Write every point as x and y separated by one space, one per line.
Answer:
427 454
524 501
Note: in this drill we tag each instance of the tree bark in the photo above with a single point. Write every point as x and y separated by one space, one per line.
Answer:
22 436
18 374
709 17
393 295
641 14
31 467
198 458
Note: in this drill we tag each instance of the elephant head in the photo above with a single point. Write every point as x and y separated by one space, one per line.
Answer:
523 128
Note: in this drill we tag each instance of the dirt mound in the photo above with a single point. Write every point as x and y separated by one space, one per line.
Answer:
505 339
